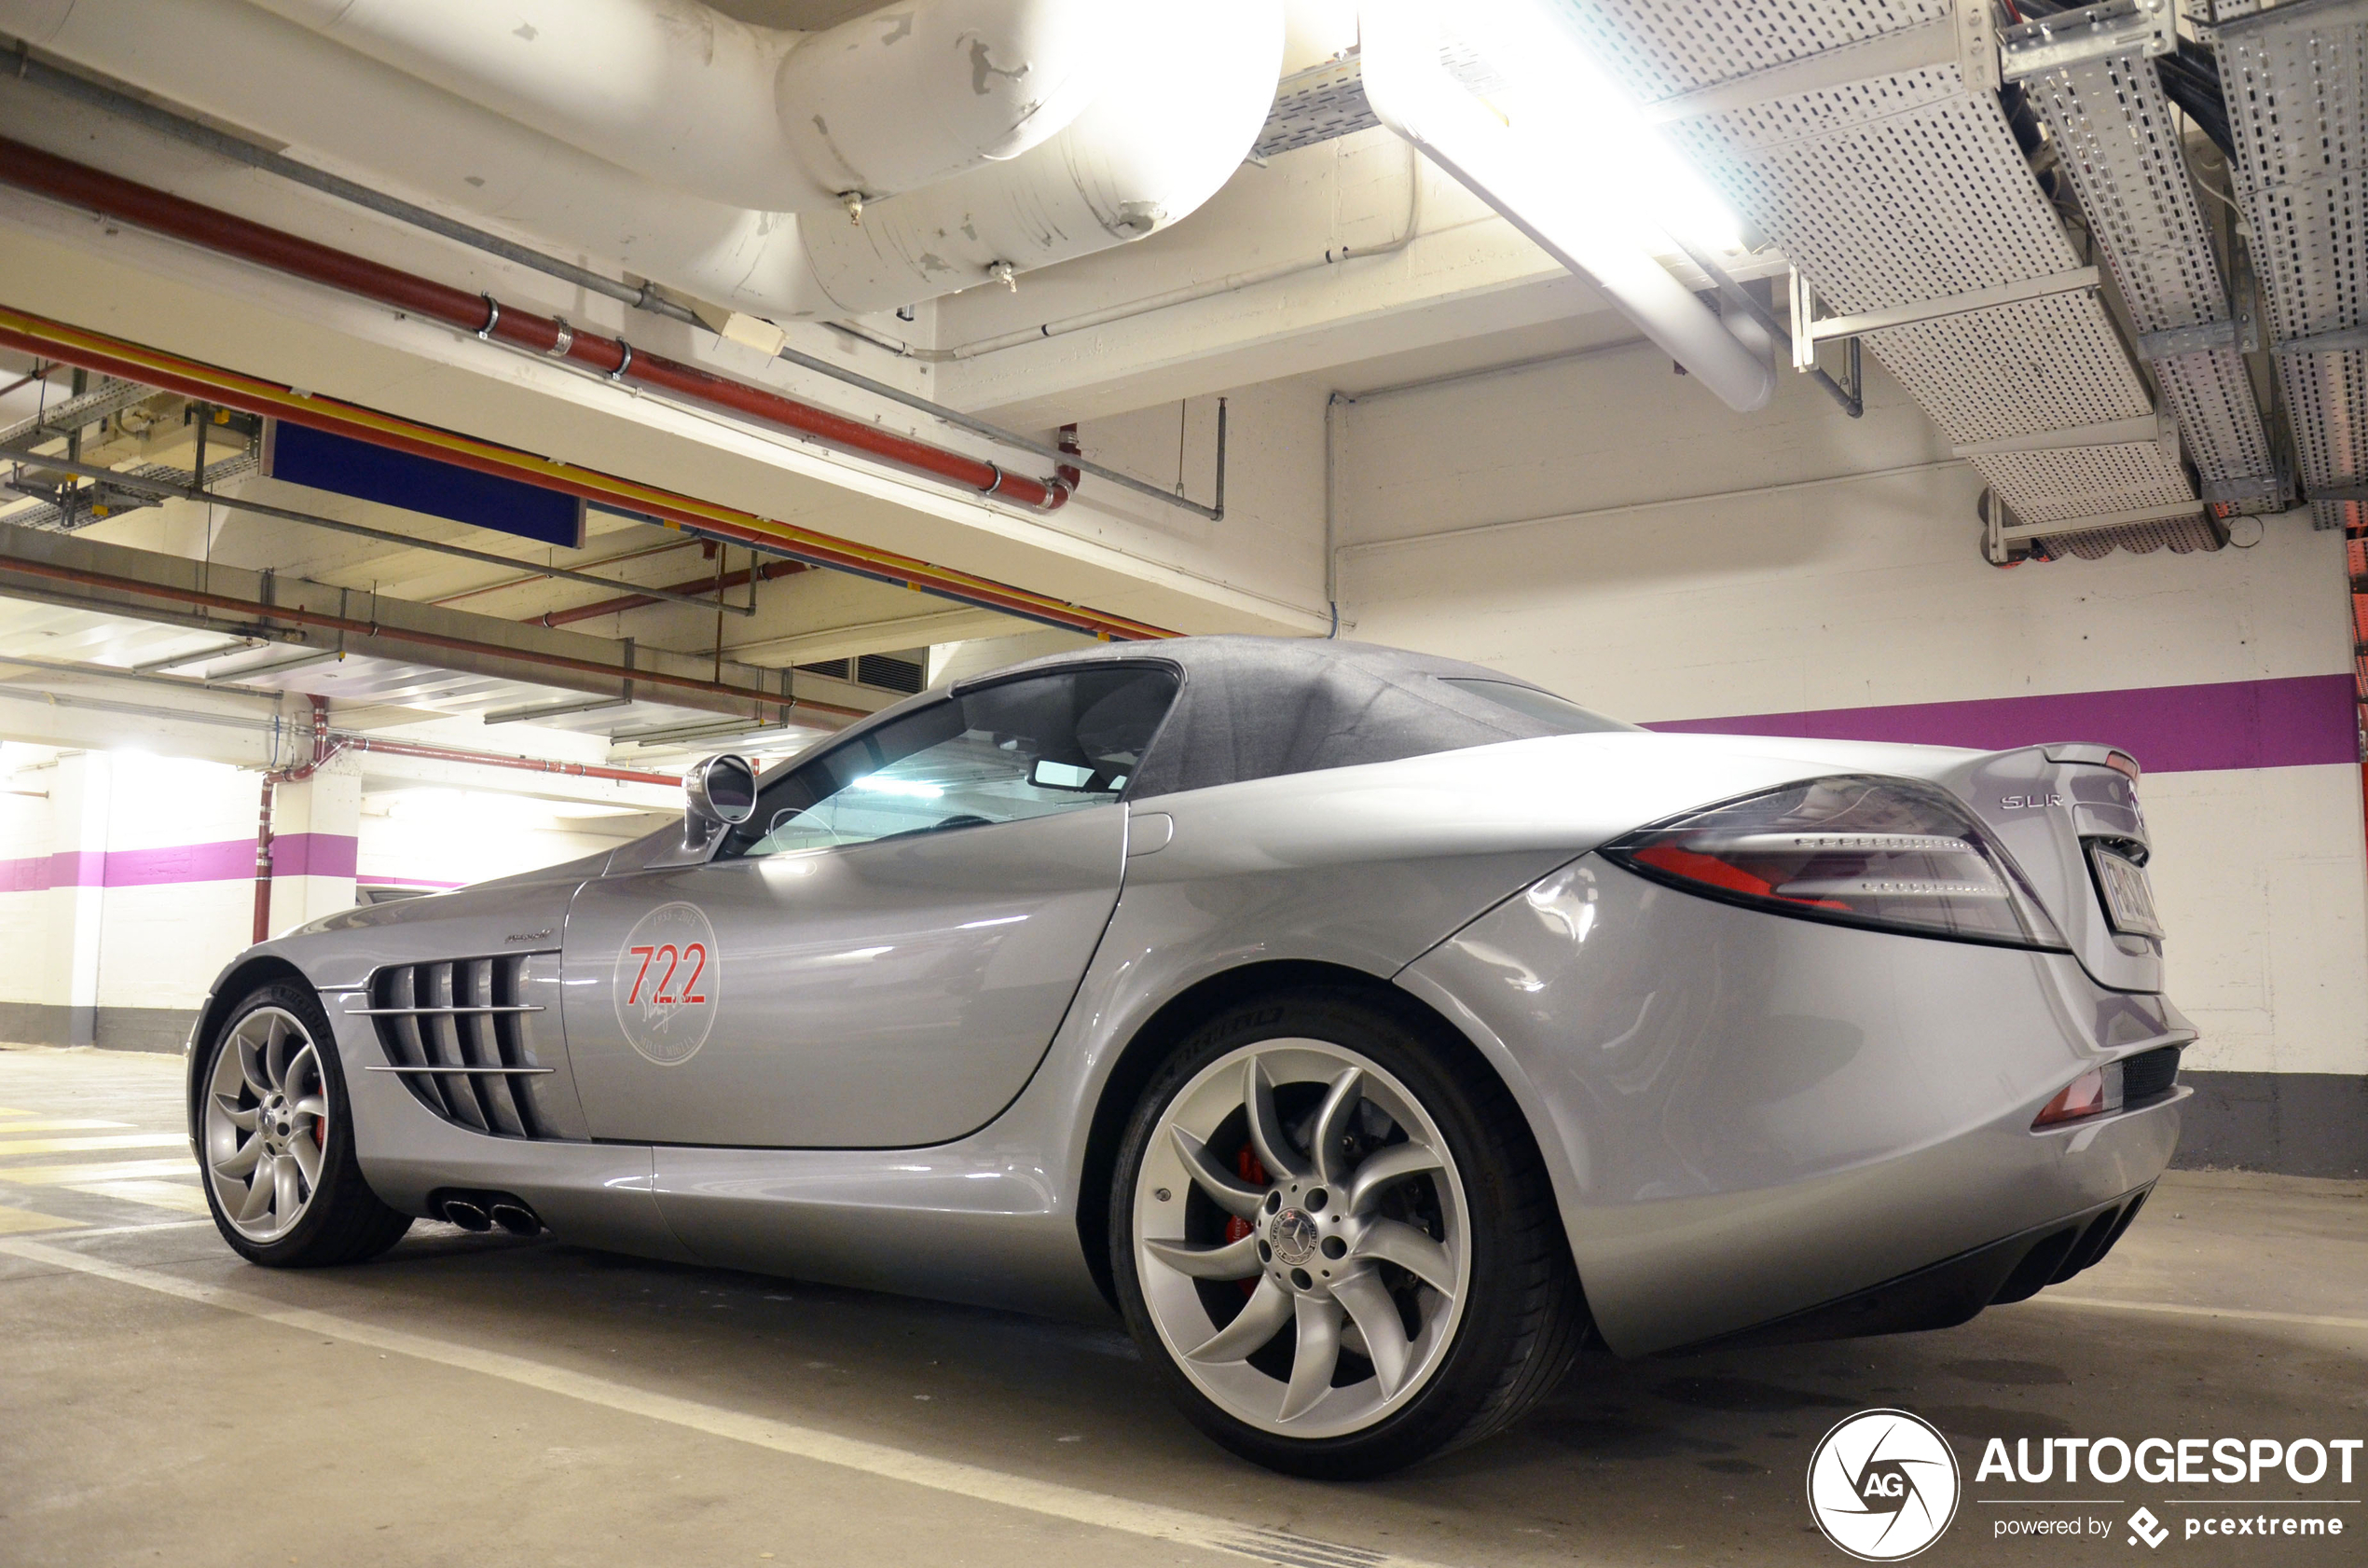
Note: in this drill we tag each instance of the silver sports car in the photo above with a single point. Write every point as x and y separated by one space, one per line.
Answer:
1371 1030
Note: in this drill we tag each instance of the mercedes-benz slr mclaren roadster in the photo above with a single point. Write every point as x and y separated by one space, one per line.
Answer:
1372 1031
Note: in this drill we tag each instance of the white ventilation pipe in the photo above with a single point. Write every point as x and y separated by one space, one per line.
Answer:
1199 81
1172 131
753 117
341 111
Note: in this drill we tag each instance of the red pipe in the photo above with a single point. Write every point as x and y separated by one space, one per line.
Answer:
159 212
257 610
498 758
766 574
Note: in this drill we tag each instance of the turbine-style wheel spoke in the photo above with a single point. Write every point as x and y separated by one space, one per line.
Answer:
1267 1137
1387 1346
1231 1260
287 1191
307 1155
303 1074
244 1118
314 1106
250 1067
243 1159
1261 1319
1227 1191
259 1188
1318 1352
1383 1166
1390 1241
1331 1125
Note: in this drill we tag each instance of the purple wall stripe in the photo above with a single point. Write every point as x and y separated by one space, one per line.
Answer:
231 861
2294 722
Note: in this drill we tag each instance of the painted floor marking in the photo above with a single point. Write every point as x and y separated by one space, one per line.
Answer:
17 1221
1050 1498
178 1196
59 1124
96 1170
76 1145
2242 1314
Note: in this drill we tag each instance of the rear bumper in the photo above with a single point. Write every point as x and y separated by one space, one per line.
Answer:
1956 1289
1750 1120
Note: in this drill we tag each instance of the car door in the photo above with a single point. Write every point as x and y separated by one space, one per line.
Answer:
879 957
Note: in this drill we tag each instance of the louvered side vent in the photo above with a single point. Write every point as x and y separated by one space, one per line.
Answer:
463 1040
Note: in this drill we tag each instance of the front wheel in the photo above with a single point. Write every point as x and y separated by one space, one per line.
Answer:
1338 1248
276 1134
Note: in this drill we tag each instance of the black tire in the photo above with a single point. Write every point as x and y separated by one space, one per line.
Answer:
343 1221
1524 1317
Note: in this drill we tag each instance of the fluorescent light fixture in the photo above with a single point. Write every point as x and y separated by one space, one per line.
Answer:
1550 174
1555 89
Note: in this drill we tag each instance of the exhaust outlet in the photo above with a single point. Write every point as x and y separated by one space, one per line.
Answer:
466 1214
516 1218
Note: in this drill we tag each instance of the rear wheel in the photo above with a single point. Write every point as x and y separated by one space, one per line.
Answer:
277 1138
1338 1250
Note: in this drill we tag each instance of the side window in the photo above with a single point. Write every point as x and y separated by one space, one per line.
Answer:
1024 748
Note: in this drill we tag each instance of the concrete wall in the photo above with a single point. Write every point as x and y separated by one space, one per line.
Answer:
1837 588
127 881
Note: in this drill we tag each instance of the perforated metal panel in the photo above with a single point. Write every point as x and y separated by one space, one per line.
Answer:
2119 144
2297 79
1900 189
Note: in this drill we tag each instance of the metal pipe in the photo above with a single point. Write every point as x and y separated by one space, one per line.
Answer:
263 863
30 169
175 372
643 597
259 611
166 488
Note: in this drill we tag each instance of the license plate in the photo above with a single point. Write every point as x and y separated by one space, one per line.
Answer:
2129 898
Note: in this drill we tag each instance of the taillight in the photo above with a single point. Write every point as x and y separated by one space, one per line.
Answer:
1890 853
2123 763
2094 1093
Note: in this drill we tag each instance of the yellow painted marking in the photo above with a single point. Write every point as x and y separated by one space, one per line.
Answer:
96 1170
11 1110
15 1222
76 1145
180 1198
60 1124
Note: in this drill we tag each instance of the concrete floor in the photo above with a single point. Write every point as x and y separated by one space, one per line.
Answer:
470 1400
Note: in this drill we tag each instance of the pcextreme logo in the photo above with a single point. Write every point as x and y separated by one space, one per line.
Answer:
1883 1485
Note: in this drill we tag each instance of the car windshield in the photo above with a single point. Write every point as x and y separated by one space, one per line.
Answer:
1567 718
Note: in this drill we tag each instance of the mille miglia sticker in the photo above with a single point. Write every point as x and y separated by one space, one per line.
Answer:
667 977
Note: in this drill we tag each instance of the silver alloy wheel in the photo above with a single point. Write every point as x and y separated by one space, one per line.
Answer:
267 1124
1360 1225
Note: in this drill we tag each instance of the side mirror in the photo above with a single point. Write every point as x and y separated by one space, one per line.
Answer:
717 792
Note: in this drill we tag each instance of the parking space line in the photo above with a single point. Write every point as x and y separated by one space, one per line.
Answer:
76 1145
2242 1314
1052 1499
96 1170
172 1195
16 1221
60 1124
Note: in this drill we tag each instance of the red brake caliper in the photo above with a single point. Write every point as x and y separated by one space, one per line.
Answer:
1235 1226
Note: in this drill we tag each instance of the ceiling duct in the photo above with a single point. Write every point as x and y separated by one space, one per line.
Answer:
1868 141
1152 142
753 117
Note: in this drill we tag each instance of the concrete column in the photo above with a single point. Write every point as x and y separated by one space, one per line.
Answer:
81 797
315 825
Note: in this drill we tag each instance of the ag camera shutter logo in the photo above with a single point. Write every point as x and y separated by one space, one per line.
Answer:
1883 1485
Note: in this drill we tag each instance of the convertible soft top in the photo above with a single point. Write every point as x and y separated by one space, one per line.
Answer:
1262 707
